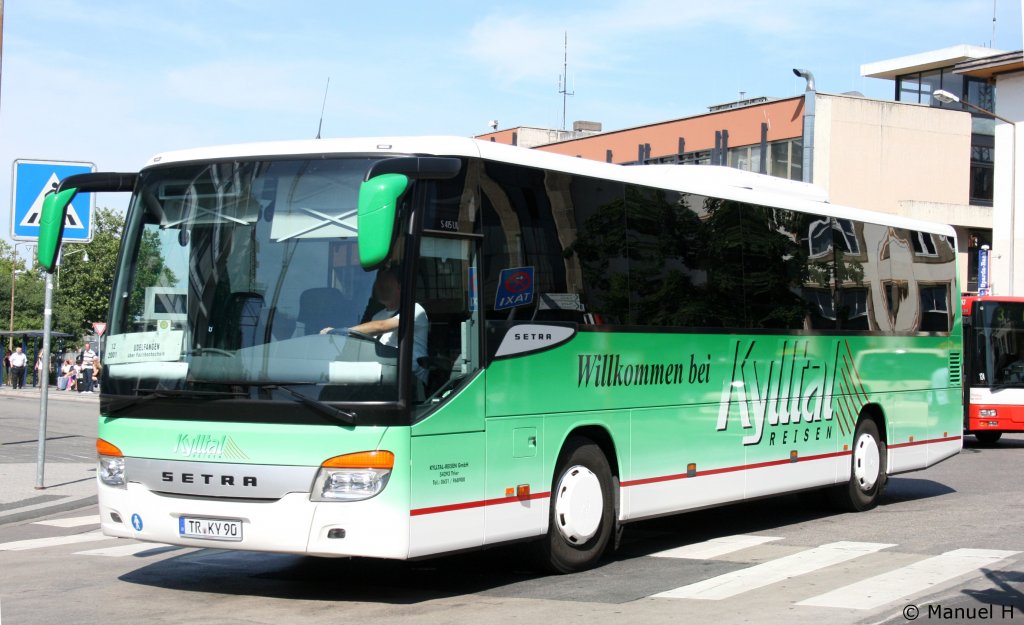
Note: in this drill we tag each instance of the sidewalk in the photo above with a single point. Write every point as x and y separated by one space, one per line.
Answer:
69 472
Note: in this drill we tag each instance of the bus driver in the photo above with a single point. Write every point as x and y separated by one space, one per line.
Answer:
387 289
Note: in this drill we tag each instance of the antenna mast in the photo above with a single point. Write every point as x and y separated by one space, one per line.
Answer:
563 80
993 24
320 126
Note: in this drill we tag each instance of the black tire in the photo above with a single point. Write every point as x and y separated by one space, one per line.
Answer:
988 438
867 471
577 537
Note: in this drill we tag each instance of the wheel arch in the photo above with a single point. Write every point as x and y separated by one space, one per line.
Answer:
875 413
601 437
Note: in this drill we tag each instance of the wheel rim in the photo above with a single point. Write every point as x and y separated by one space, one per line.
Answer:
866 461
579 505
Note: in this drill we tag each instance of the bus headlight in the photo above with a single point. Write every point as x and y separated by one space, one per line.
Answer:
353 477
987 412
112 471
111 464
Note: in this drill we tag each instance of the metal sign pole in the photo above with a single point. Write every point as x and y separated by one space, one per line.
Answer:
44 384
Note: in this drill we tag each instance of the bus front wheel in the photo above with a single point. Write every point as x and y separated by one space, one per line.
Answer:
867 471
581 515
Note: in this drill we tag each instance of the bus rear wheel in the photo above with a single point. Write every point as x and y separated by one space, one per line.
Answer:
581 515
988 437
867 472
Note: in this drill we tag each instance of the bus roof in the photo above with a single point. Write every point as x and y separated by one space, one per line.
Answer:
723 182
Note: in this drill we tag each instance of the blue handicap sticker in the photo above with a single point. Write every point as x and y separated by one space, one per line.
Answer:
137 522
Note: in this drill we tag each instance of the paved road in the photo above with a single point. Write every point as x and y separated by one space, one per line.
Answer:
945 541
70 467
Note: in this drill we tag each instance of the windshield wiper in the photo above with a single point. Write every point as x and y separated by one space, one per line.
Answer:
202 351
344 417
153 393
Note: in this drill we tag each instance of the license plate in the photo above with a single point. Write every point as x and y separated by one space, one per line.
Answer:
210 529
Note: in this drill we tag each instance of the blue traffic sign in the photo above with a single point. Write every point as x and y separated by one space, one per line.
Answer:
32 181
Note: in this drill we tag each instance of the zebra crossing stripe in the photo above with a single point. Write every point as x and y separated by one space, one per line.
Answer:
126 550
766 573
92 519
909 580
715 547
52 541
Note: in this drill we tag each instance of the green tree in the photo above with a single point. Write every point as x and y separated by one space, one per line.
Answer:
83 293
27 293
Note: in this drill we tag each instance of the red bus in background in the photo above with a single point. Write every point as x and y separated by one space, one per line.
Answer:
993 366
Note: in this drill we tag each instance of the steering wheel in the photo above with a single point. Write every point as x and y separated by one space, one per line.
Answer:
362 336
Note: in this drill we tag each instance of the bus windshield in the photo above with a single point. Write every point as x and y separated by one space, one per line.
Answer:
998 329
241 278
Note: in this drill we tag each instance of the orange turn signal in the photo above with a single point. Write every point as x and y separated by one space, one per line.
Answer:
378 459
103 448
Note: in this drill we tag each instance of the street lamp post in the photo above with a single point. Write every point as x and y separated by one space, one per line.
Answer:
947 97
85 258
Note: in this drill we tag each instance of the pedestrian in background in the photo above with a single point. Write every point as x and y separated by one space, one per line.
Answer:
70 371
88 365
18 362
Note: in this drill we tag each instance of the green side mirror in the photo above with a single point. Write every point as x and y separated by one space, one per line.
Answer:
55 208
378 203
51 227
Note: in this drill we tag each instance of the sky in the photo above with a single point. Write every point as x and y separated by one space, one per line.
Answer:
115 82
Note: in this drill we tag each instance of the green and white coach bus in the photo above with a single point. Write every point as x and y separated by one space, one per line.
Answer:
402 347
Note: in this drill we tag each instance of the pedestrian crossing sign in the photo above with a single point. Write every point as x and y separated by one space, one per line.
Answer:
32 180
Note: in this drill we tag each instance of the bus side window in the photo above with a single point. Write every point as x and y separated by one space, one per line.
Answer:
444 288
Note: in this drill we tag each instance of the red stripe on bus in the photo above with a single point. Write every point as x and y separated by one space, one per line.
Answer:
757 465
935 440
663 478
475 504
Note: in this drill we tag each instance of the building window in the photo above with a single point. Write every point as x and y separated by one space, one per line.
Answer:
784 158
930 83
746 158
981 93
918 88
696 158
982 170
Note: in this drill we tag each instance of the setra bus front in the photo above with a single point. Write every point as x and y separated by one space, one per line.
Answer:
240 407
